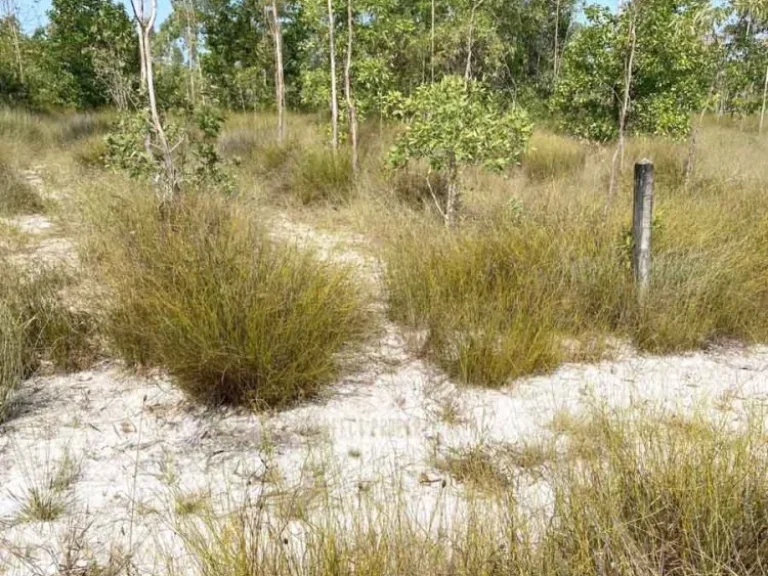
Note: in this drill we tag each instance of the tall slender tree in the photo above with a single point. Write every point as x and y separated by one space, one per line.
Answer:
334 95
351 109
145 22
277 36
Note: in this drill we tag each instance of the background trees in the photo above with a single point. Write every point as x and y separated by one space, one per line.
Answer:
535 53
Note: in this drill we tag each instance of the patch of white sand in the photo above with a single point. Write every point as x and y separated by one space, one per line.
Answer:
137 441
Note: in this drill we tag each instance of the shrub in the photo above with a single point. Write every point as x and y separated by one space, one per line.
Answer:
234 317
16 195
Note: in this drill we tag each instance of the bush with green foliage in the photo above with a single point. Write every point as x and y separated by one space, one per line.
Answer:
193 137
457 123
672 69
234 317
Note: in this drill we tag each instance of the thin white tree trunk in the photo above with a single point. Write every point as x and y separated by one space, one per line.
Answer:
279 72
468 68
765 95
146 25
190 27
334 95
348 89
142 51
617 164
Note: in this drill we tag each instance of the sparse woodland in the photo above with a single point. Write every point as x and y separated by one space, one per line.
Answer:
262 203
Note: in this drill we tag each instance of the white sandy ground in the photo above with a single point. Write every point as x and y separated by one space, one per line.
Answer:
135 443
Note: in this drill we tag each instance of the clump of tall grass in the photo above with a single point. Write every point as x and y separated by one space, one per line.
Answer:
38 327
500 298
319 175
235 317
552 156
643 494
650 495
16 195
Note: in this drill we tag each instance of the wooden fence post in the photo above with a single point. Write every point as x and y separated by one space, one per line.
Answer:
642 222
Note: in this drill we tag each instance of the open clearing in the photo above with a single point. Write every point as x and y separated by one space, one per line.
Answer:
120 453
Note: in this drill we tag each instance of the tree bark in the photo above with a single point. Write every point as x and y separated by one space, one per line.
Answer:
334 96
146 25
348 89
453 200
617 164
765 95
191 40
468 68
279 72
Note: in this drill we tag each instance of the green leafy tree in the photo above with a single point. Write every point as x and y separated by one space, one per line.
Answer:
457 123
78 29
672 69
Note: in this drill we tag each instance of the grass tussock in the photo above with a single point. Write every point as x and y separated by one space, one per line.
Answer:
519 292
38 328
552 156
645 494
233 316
17 196
320 176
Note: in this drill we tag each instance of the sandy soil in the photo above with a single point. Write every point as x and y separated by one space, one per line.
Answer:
127 448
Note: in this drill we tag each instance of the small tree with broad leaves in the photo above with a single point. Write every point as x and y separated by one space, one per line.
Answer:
457 123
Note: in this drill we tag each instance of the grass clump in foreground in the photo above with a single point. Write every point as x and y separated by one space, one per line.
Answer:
202 292
38 328
631 495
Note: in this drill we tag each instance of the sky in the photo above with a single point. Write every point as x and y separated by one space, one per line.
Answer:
33 12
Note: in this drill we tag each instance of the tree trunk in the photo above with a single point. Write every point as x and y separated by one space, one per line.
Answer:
334 97
348 89
557 39
690 162
191 40
617 164
279 72
142 51
432 45
765 94
146 25
453 200
468 68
